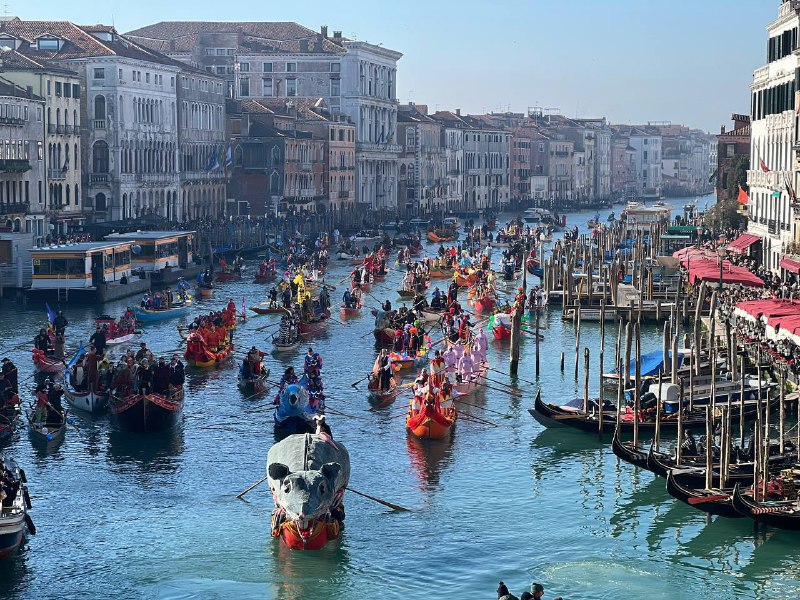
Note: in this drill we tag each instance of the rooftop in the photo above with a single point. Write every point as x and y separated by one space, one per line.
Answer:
147 235
81 247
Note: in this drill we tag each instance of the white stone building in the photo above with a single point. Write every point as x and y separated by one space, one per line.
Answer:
774 134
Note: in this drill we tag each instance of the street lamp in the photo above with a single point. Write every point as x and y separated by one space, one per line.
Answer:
721 255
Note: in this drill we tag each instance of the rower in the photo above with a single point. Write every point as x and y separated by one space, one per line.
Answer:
313 362
60 322
347 299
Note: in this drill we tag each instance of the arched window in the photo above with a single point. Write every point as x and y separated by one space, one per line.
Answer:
274 183
100 107
66 195
100 157
100 202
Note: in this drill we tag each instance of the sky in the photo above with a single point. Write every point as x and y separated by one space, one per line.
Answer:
632 61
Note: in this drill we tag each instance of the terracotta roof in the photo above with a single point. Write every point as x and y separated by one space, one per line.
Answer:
9 88
13 60
256 37
743 131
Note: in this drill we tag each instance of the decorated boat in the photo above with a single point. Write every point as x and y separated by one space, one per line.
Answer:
294 414
205 290
382 398
147 413
782 513
148 315
308 475
45 363
118 332
14 518
500 326
91 401
198 354
431 423
475 381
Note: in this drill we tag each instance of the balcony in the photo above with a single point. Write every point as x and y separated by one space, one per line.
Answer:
14 165
69 129
772 226
99 123
305 166
98 178
14 207
56 174
61 129
51 129
372 147
343 194
307 192
157 178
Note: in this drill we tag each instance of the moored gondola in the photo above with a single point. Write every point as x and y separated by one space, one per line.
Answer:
714 502
14 518
783 514
627 451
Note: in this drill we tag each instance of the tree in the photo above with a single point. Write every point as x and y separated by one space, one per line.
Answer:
737 176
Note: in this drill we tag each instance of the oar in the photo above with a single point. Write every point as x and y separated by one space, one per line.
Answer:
507 375
267 326
482 408
378 500
510 393
478 420
342 414
256 484
499 383
360 380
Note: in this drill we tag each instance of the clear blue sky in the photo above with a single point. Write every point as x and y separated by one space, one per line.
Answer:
686 61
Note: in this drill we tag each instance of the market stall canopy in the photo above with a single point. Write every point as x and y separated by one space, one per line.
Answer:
742 243
692 253
790 264
708 270
767 308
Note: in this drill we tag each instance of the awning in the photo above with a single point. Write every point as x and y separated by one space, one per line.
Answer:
709 270
742 243
790 264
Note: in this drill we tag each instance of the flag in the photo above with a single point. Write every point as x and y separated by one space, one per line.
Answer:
65 168
51 316
229 157
213 163
762 165
790 189
743 198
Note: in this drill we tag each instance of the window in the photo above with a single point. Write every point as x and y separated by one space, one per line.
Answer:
291 87
39 150
244 86
220 70
229 70
336 67
99 73
266 86
244 67
47 44
49 88
25 112
268 67
76 90
291 67
730 150
67 90
645 141
335 87
172 82
210 51
645 154
147 77
58 89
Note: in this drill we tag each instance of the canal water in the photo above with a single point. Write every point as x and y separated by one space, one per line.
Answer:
123 516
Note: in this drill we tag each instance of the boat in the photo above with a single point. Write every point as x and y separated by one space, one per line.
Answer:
47 364
486 303
432 316
382 399
8 419
317 324
714 501
537 215
260 310
350 311
268 278
441 236
112 328
205 290
91 401
147 413
149 315
500 325
782 514
48 432
430 423
626 450
285 346
14 519
593 222
475 381
253 385
294 413
198 354
366 236
228 275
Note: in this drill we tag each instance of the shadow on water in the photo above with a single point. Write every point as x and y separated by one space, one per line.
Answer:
552 447
428 458
15 575
149 452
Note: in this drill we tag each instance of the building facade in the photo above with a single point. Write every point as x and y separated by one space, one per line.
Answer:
732 146
423 179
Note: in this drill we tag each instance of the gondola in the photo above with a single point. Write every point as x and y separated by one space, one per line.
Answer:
268 278
253 385
281 347
91 401
14 519
783 514
485 303
228 275
350 311
205 290
428 423
714 502
634 455
146 413
8 421
318 324
48 432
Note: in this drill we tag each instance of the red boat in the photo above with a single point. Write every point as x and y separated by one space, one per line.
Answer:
269 277
385 336
223 276
430 423
501 331
315 325
314 536
147 413
47 364
382 399
486 303
350 311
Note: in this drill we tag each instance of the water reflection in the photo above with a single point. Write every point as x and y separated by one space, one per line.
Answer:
428 459
149 453
15 575
296 574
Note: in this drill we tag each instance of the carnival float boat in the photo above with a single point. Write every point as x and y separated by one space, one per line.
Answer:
147 413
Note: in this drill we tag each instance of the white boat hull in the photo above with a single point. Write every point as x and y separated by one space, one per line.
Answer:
87 401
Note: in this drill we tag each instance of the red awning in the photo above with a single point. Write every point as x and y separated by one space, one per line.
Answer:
692 253
790 264
708 270
742 243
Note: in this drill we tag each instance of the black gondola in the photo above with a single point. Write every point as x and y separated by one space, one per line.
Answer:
714 502
140 413
628 452
783 514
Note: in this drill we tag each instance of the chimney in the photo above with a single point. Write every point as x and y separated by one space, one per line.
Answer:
722 130
324 31
458 112
337 36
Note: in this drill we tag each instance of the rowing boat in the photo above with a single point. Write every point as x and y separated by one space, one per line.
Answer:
147 315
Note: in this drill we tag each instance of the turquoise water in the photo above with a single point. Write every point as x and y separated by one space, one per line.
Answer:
155 517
